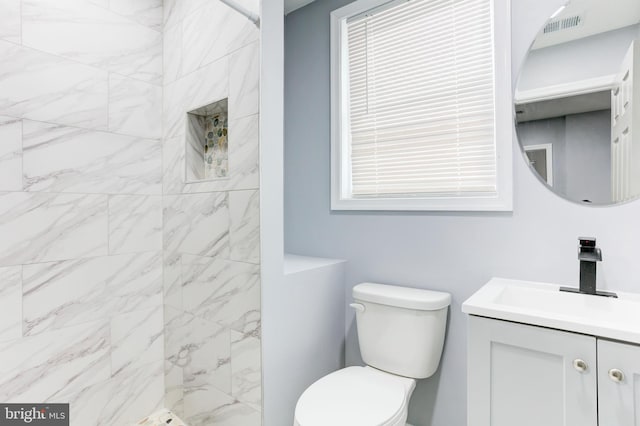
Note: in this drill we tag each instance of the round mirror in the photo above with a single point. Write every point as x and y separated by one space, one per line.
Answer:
577 102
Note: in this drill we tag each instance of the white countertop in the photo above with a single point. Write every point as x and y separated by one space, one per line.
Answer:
544 305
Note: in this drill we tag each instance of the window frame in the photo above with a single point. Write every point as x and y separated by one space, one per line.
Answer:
340 161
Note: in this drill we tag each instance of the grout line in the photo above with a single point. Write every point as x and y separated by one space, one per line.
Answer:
223 57
90 129
130 17
209 191
109 101
93 257
106 194
22 316
109 197
22 177
21 26
246 262
75 61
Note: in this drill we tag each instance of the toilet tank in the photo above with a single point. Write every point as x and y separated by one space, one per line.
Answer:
401 330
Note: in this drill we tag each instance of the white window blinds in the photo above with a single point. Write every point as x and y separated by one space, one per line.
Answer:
421 99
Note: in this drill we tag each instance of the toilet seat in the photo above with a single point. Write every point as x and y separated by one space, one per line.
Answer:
355 396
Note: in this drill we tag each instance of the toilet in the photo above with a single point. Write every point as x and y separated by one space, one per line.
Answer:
401 334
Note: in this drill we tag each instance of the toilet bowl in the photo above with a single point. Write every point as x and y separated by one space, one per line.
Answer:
401 335
356 396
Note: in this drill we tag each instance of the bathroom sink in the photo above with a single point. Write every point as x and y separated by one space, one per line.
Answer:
544 305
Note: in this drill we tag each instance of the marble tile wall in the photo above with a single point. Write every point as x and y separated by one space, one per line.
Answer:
123 287
211 228
77 29
81 252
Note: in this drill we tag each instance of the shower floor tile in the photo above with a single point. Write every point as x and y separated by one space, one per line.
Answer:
161 418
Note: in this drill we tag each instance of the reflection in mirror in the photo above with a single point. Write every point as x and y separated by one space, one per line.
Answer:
577 102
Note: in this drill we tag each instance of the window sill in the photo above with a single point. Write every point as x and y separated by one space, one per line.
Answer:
485 204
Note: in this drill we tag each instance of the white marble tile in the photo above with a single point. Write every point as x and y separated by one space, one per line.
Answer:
196 224
59 158
10 154
207 85
172 282
120 400
174 111
209 364
176 10
145 12
174 387
136 280
134 395
41 227
61 294
170 12
244 81
244 154
45 87
135 223
213 31
137 339
201 404
10 303
172 53
86 33
223 291
102 3
207 406
161 418
194 146
135 107
244 234
173 164
39 368
246 369
10 20
200 348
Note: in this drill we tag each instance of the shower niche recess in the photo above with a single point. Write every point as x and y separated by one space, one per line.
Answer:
207 142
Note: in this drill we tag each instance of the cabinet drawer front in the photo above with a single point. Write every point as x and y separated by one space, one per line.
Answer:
530 376
618 384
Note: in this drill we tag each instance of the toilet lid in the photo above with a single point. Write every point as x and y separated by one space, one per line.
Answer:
353 396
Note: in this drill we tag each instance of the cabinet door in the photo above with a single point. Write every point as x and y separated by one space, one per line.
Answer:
526 376
618 384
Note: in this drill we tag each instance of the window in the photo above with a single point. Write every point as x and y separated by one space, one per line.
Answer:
421 105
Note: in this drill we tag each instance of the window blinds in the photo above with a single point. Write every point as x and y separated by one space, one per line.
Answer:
421 99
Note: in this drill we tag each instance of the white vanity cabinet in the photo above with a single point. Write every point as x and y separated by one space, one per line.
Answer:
618 383
527 375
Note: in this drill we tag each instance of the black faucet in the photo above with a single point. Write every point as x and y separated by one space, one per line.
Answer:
589 255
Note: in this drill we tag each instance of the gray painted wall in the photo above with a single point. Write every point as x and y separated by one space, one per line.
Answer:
455 252
581 153
552 130
588 156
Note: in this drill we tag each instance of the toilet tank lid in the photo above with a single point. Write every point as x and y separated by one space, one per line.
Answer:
402 297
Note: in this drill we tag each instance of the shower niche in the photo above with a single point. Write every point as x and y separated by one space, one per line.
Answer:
207 142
